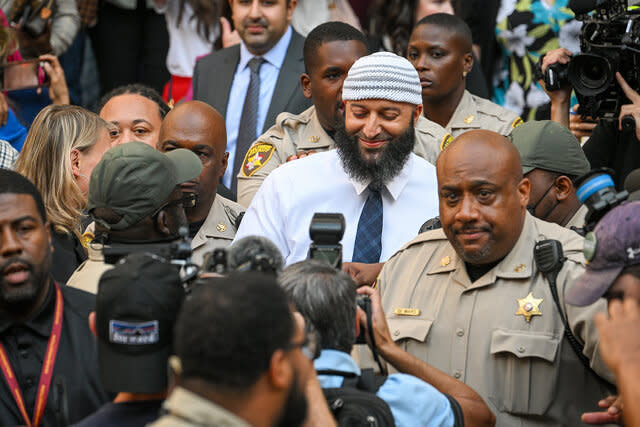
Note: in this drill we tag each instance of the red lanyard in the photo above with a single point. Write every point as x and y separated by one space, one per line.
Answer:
47 369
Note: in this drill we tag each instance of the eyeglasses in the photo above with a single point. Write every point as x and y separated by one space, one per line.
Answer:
310 347
187 201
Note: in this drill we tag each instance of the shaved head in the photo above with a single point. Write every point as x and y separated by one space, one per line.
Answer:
483 196
484 146
198 127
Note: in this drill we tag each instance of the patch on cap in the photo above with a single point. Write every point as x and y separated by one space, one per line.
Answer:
256 158
130 333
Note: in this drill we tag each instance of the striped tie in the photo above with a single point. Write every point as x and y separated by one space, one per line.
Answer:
368 246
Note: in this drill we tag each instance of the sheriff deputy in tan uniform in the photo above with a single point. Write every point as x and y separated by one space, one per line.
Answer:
440 49
469 299
330 50
134 198
198 127
552 159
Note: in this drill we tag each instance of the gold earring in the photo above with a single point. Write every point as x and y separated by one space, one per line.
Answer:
464 74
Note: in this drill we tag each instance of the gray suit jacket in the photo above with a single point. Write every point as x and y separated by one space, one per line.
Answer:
213 76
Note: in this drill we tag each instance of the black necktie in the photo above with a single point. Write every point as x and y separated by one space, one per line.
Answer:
247 132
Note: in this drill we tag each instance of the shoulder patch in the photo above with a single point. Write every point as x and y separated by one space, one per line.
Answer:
517 122
256 157
448 139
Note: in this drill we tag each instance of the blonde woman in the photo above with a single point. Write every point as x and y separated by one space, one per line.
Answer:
61 149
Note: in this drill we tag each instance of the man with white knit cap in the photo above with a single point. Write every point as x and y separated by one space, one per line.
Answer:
383 190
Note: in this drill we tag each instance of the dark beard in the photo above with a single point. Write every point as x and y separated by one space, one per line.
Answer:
294 411
18 300
385 168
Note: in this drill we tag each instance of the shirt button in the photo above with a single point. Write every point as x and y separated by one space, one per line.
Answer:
396 333
521 349
459 332
29 382
24 354
457 374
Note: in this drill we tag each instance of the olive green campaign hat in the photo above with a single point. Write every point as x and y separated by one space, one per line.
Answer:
550 146
134 179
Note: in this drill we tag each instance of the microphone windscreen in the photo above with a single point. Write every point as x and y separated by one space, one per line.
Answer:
249 248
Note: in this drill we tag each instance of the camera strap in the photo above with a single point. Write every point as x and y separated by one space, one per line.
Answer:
47 368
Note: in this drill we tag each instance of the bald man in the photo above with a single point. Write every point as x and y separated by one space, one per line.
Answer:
198 127
469 299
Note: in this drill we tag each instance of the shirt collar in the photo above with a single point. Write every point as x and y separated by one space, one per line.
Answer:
336 361
198 410
517 264
466 111
41 322
275 56
396 185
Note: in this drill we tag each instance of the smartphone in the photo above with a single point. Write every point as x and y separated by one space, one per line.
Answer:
22 75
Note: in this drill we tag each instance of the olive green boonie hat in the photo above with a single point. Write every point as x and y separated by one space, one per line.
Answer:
134 179
550 146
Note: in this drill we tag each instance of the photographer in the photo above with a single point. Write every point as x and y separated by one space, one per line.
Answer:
609 145
326 297
613 272
135 198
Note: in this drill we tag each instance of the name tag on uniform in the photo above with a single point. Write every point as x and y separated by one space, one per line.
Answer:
407 312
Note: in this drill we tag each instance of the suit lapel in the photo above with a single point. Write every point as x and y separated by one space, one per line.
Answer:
222 79
288 80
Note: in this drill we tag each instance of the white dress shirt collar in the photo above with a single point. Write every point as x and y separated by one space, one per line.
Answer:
395 186
275 56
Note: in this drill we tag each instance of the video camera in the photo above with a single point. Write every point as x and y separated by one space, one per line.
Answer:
177 252
597 192
610 43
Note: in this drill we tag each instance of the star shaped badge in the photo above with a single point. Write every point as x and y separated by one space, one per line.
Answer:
529 307
254 161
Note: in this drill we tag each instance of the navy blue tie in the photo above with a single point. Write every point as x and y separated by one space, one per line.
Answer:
368 246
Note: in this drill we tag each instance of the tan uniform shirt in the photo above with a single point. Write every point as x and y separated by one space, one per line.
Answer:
187 409
303 132
291 133
218 229
577 220
478 332
87 275
474 112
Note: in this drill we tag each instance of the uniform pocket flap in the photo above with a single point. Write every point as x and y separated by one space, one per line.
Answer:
525 344
413 328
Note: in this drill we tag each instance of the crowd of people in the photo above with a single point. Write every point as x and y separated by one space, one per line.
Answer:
165 260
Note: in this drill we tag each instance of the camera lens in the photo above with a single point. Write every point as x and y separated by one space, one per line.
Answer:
590 74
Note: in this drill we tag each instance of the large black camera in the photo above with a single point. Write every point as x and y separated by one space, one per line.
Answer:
610 43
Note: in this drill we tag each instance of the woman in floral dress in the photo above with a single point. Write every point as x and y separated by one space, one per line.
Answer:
526 30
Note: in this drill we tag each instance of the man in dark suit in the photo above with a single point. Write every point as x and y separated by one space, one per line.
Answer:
251 83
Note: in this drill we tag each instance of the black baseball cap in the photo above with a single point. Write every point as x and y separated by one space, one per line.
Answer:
136 308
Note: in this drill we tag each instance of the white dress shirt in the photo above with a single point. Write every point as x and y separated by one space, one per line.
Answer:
269 72
283 207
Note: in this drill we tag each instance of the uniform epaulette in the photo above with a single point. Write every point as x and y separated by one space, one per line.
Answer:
427 236
496 111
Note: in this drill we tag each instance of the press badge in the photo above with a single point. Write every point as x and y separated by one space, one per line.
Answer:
130 333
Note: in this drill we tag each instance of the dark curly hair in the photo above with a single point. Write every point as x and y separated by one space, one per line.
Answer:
136 89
